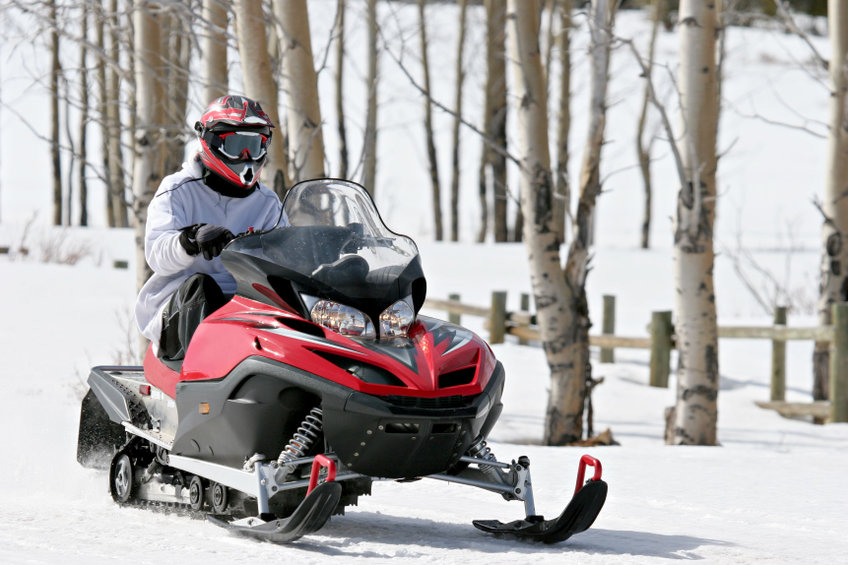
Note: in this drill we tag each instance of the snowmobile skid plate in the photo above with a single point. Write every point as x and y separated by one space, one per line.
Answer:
308 517
577 517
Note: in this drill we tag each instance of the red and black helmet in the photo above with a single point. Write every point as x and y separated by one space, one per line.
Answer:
234 135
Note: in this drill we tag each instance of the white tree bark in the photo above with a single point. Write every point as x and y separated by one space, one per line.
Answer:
214 50
695 413
834 262
340 119
306 139
460 78
563 422
562 201
120 215
150 115
259 85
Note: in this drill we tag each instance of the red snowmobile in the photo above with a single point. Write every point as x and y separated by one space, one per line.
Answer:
318 378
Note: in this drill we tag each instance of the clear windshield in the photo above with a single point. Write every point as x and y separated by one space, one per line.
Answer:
335 235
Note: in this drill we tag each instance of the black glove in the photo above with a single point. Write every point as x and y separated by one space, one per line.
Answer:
208 239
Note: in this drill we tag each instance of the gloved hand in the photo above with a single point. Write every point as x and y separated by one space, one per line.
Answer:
208 239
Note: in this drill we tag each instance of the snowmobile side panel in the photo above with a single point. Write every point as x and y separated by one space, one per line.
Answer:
308 517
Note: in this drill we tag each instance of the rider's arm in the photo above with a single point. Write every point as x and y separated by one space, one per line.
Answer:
162 247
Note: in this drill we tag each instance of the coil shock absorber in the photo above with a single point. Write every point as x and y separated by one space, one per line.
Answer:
300 443
481 450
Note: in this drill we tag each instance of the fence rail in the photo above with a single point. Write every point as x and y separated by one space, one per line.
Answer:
661 341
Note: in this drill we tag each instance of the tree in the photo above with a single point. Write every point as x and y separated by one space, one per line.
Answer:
834 261
369 150
643 152
83 124
494 120
259 85
214 50
55 72
432 157
306 140
340 120
563 186
178 60
460 77
695 413
150 110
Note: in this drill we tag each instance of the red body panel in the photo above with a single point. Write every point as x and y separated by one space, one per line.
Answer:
245 328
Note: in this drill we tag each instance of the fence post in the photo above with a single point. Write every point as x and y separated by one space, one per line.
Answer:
608 354
839 364
497 317
661 332
778 358
454 318
525 307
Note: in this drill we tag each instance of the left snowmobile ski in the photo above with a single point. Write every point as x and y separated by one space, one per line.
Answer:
316 379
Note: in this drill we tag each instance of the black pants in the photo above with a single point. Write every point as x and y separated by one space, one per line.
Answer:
197 297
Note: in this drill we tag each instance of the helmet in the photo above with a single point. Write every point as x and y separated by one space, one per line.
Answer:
234 134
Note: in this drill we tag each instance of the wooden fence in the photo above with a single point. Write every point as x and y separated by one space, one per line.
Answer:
661 341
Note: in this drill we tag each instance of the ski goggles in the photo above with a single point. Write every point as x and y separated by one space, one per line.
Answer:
234 145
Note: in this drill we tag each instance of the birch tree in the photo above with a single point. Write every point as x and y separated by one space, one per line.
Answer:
562 313
340 119
214 50
432 157
369 150
695 413
150 111
259 85
834 261
178 60
563 185
306 140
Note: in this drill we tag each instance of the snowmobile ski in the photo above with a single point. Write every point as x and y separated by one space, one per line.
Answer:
577 517
308 517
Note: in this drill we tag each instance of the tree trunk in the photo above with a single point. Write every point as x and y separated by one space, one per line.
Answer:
643 152
259 85
833 285
562 201
340 121
695 413
306 140
563 421
214 50
55 72
369 152
178 54
432 157
83 125
117 188
150 109
496 115
460 77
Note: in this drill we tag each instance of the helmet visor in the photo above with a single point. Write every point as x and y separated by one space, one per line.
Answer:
235 145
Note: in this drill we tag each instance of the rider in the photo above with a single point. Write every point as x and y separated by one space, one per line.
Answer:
195 213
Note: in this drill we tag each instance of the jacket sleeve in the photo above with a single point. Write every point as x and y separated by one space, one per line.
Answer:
162 247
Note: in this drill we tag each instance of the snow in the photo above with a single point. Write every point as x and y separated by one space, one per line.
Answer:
772 493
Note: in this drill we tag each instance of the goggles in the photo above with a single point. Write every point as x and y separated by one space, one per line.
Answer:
233 145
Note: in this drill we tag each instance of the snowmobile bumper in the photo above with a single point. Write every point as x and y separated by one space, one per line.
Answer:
404 437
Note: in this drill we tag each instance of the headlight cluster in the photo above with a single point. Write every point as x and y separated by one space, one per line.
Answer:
395 320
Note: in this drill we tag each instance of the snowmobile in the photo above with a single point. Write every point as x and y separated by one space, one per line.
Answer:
316 379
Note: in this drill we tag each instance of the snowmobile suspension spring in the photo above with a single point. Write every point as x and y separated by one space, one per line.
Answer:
309 431
481 450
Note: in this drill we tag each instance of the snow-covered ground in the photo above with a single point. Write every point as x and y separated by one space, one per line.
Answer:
772 493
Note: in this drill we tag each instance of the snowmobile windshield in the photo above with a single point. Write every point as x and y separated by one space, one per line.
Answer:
331 243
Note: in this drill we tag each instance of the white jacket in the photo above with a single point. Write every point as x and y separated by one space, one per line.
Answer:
183 199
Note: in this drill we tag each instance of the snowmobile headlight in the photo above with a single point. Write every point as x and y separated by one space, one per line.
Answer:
342 319
396 319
